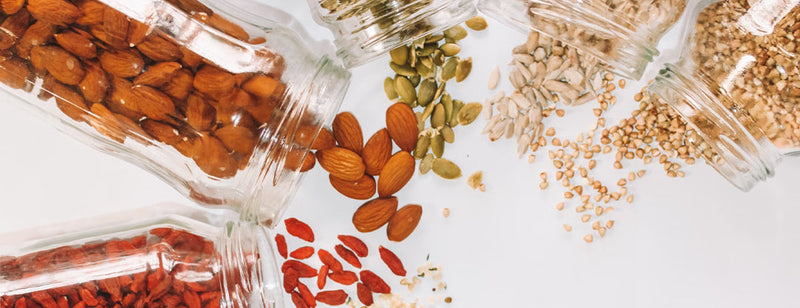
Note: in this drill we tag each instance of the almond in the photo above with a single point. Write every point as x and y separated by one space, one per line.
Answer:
159 74
374 214
262 110
396 173
377 152
14 73
62 65
121 99
57 12
304 136
347 132
11 7
361 189
91 13
159 49
237 139
137 32
224 25
77 44
115 25
152 103
214 81
180 85
122 63
324 140
190 58
262 86
13 28
402 125
37 34
235 116
70 102
105 122
199 114
403 223
161 131
95 84
213 158
342 163
293 162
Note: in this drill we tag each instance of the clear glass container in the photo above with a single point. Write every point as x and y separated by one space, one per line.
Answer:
173 256
622 34
738 84
211 96
366 29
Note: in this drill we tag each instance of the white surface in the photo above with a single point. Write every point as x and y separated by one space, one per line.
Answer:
693 242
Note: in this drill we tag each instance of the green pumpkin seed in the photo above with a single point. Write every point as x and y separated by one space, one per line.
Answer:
434 38
412 58
463 69
453 120
437 145
469 113
420 121
476 23
403 70
439 91
419 43
448 109
424 70
450 49
456 33
438 57
427 50
388 87
449 69
448 134
426 91
399 55
405 89
427 112
423 144
446 169
415 80
426 164
437 118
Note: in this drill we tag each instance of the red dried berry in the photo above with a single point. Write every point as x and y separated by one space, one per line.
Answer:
306 294
348 256
301 253
322 277
299 229
392 261
346 277
364 294
333 298
290 280
280 241
328 259
298 300
355 244
303 270
374 283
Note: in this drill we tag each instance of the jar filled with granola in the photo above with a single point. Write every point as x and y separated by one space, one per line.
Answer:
622 34
172 256
366 29
738 84
211 96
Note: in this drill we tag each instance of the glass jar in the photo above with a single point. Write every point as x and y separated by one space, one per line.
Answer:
219 102
738 84
183 256
366 29
622 34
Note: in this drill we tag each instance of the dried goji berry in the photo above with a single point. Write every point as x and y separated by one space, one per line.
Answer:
346 277
328 259
322 277
364 294
299 229
280 241
392 261
333 298
306 294
298 300
192 300
301 253
374 283
348 256
303 270
354 244
290 280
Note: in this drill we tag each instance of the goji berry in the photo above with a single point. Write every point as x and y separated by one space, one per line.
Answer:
306 294
364 294
346 277
374 283
298 300
299 229
328 259
303 270
392 261
280 241
290 280
333 298
301 253
322 277
348 256
354 244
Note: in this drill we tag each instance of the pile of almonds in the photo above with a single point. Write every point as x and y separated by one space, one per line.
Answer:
127 81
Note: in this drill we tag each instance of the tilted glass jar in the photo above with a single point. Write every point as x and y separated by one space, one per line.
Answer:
210 95
366 29
738 84
622 34
167 257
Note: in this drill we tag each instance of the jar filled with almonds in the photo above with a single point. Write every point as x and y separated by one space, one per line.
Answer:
738 84
169 256
621 34
366 29
219 102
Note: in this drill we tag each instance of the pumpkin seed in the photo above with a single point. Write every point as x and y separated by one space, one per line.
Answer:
437 145
438 57
415 80
476 23
403 70
419 43
469 113
453 119
438 116
423 144
426 91
456 33
463 69
426 164
388 87
448 134
420 121
450 49
439 91
427 112
446 169
424 70
399 55
434 38
449 69
427 50
448 109
405 89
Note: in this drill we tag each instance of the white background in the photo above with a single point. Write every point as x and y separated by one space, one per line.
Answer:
692 242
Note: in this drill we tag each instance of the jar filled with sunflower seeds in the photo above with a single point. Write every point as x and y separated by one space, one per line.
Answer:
738 84
622 34
366 29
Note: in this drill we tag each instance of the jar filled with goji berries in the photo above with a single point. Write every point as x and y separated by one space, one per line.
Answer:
166 256
366 29
738 84
621 34
210 95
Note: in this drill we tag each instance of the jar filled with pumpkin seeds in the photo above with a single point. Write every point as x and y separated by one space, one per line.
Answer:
738 84
365 29
622 34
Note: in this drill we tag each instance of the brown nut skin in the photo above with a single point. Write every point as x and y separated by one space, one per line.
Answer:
403 223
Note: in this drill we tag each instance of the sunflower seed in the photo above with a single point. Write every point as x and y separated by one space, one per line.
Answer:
494 78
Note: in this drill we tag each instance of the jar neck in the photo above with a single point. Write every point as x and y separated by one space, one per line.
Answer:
741 151
249 273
